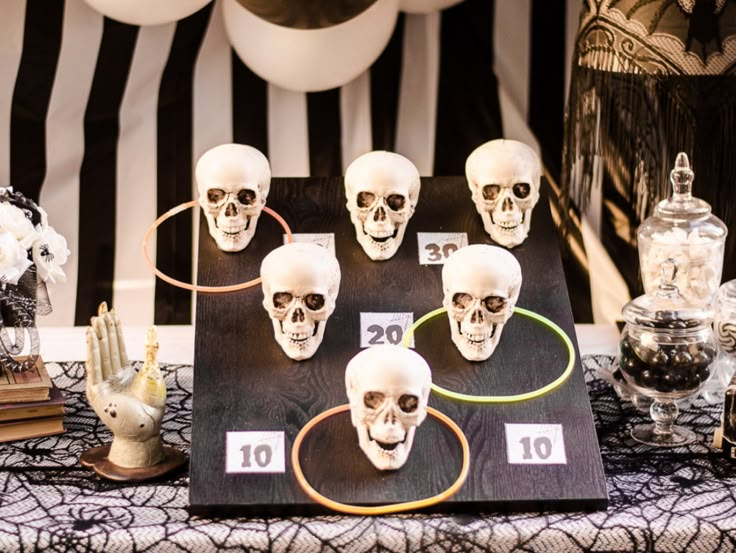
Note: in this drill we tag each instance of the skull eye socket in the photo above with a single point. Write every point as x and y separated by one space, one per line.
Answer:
215 195
247 197
522 190
462 300
373 400
396 202
495 304
314 302
408 403
491 192
365 199
281 300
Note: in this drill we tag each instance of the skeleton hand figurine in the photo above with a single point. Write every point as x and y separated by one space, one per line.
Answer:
131 404
503 176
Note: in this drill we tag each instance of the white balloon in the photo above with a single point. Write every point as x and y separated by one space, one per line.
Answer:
147 12
310 60
425 6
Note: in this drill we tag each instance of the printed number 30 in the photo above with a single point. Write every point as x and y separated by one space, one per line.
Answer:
436 252
393 334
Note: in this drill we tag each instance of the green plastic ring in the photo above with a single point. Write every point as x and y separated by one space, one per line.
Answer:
510 398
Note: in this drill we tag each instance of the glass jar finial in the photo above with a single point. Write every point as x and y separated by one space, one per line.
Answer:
682 177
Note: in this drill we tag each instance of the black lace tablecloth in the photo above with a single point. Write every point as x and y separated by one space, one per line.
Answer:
660 500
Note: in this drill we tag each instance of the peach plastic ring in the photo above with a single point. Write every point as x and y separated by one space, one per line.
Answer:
379 509
195 287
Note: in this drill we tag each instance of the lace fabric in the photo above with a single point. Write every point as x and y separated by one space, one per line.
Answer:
660 500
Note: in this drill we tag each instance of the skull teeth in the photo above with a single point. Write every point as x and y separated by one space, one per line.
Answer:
299 339
477 339
387 448
233 231
507 226
381 236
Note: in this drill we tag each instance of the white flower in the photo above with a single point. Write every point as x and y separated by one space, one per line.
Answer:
50 252
13 257
14 220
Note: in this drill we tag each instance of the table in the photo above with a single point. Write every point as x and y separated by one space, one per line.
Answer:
660 500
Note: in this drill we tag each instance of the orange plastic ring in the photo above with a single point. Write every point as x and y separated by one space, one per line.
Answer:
195 287
379 509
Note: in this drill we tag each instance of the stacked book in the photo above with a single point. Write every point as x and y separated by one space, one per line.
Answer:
30 404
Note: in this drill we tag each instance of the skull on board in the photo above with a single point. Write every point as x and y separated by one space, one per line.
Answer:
481 285
388 388
503 176
300 282
382 190
233 182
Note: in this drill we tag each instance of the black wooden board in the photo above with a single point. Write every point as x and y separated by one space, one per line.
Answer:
244 382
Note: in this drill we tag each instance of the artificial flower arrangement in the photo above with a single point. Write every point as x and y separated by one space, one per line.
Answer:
31 254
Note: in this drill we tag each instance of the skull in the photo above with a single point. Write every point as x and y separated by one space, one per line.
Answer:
300 283
382 190
233 182
388 388
503 176
481 284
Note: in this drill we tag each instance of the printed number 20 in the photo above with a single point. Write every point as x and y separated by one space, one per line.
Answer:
436 253
542 447
261 453
393 334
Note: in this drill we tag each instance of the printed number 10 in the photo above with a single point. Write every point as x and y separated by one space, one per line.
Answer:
542 447
261 453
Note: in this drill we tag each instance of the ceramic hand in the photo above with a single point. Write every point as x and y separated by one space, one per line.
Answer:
130 403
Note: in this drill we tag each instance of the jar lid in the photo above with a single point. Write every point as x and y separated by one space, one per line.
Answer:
665 307
682 205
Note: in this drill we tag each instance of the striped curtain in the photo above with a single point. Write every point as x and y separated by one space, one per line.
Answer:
102 122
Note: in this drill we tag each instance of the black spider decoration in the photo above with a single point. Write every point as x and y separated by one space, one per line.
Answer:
46 253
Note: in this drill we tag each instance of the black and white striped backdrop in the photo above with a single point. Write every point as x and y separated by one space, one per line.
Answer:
102 121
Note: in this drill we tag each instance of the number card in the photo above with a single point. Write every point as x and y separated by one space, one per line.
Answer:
254 452
436 247
326 239
384 328
535 444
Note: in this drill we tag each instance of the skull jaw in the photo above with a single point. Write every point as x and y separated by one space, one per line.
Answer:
380 244
475 345
231 236
385 455
507 231
299 343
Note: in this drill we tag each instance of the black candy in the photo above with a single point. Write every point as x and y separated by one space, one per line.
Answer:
669 368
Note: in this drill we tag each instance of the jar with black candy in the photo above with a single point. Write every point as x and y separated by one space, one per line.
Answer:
667 351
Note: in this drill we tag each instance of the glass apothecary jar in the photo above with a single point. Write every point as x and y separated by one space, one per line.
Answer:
667 353
684 229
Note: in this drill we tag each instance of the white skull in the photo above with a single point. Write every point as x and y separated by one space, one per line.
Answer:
481 284
233 182
382 190
300 282
503 176
388 388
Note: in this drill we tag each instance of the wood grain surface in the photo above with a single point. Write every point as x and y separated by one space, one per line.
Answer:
243 381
